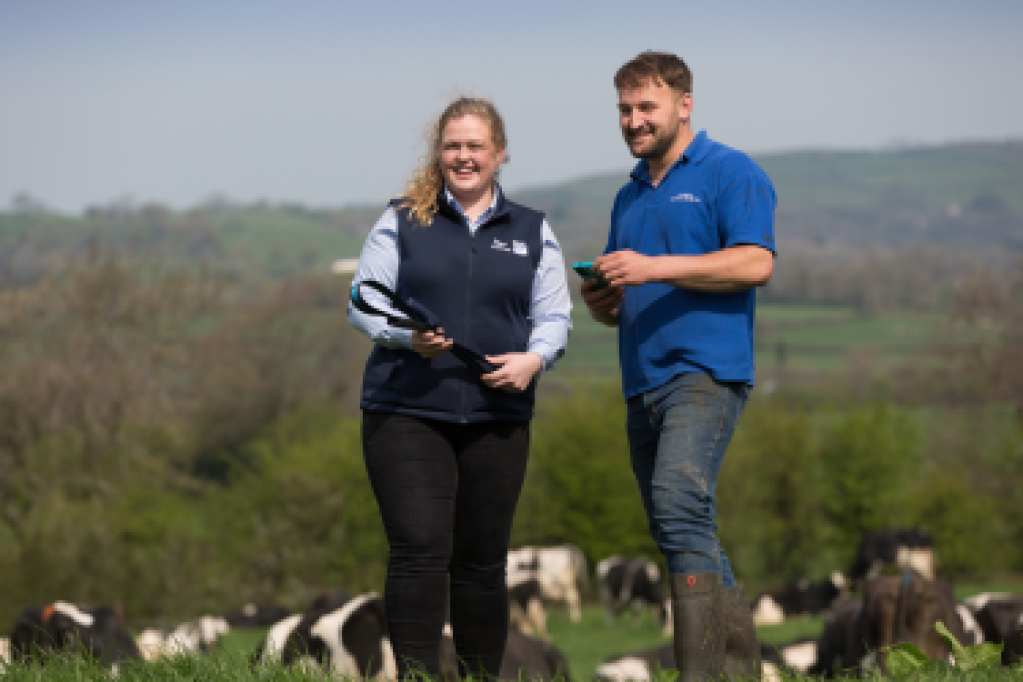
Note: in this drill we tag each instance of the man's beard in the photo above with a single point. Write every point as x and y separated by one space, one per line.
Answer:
662 143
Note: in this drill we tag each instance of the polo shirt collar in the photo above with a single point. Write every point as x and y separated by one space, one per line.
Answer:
498 205
694 153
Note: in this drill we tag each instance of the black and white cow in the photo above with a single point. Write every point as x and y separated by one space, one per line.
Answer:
348 639
904 548
351 640
802 599
972 632
526 609
256 616
630 582
272 647
561 572
61 626
279 635
1000 618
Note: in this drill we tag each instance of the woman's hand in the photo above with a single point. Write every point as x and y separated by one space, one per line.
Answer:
430 344
514 372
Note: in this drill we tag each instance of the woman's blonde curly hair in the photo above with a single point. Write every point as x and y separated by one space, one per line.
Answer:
420 194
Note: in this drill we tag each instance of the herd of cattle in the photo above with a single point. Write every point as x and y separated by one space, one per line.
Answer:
864 612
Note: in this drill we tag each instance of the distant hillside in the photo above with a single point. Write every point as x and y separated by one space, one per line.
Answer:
965 196
891 228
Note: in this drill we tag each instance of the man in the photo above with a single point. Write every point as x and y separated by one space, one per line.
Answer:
692 235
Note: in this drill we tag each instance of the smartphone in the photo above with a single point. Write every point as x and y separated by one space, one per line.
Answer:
586 271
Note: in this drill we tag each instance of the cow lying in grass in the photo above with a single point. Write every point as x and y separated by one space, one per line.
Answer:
192 637
893 609
95 632
350 639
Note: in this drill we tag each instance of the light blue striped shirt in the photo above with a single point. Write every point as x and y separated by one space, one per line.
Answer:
549 311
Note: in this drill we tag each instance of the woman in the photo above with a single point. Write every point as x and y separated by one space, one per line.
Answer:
445 447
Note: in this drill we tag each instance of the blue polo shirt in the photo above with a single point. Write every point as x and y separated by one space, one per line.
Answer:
712 198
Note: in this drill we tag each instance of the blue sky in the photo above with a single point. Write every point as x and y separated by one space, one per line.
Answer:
324 102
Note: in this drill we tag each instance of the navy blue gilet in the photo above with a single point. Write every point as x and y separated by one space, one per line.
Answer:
479 288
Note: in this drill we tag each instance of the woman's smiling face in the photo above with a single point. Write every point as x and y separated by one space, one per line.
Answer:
469 159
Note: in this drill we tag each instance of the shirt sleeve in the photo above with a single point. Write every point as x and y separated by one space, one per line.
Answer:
747 210
379 261
550 310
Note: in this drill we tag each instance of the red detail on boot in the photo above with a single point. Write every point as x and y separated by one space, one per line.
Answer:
691 580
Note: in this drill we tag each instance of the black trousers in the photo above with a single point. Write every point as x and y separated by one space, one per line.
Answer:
447 494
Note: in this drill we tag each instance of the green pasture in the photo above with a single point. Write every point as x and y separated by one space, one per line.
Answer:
795 338
585 644
281 242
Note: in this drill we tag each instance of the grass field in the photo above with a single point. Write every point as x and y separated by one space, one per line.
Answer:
585 645
792 338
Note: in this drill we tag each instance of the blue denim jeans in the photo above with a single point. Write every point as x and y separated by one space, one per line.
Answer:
678 435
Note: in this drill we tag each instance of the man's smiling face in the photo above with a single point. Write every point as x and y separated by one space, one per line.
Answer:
651 117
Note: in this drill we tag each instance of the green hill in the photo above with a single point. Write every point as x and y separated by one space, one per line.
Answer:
966 196
962 204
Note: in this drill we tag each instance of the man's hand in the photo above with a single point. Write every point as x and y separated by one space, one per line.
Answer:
603 304
515 371
626 268
430 344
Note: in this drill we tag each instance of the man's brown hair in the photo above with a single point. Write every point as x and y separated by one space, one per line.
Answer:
657 68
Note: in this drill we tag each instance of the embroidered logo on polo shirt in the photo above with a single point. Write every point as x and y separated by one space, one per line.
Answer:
499 245
519 248
687 197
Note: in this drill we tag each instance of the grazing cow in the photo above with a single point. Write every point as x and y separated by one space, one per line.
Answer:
804 598
561 571
61 626
526 609
906 549
630 582
256 616
1001 620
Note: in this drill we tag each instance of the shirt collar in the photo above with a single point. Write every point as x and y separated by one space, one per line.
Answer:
694 153
485 216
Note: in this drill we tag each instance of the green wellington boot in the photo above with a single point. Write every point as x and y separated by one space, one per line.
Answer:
696 612
742 648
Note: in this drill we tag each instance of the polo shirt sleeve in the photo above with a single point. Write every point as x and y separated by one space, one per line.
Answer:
746 208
